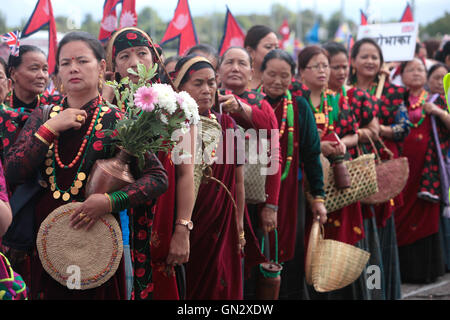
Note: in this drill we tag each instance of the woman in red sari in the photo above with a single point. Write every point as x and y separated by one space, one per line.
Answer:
417 222
169 238
80 58
332 116
300 148
365 73
214 270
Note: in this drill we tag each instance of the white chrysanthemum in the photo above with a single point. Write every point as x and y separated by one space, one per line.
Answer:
190 107
166 97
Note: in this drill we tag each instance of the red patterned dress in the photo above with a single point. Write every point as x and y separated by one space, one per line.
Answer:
27 156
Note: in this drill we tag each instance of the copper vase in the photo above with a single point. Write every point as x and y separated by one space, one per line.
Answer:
108 175
268 288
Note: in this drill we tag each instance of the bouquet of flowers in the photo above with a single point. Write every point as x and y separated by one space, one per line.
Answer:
152 113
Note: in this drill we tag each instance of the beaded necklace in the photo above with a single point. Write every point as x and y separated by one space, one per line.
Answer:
11 100
322 115
420 102
288 116
53 157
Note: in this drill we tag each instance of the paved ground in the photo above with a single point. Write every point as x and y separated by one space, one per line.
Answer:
439 290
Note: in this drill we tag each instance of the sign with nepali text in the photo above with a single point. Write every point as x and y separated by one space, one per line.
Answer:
397 40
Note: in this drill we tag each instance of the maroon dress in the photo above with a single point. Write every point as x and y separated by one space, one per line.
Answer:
214 270
27 156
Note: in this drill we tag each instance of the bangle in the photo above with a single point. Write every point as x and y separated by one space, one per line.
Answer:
110 202
319 200
241 235
51 129
37 135
271 206
119 200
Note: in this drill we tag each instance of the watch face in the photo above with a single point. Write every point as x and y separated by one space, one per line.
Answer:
190 225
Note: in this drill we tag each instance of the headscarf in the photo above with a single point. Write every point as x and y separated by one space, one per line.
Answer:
127 38
183 71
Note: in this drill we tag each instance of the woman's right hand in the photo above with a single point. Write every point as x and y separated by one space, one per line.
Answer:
331 148
67 119
268 219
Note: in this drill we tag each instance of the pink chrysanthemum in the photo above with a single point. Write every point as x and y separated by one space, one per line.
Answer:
146 98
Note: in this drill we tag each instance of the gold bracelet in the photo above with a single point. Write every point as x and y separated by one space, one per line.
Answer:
319 200
110 202
241 235
51 129
42 139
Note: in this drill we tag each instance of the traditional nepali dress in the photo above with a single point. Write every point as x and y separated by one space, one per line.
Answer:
214 270
28 155
298 139
417 222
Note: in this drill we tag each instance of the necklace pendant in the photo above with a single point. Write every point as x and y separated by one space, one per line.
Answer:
56 194
81 176
78 184
320 118
53 114
52 187
74 191
66 196
49 170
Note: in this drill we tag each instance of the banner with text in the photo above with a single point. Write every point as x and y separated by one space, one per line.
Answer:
397 40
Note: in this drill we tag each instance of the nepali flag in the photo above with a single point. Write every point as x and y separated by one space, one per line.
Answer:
407 15
109 20
181 26
128 17
233 36
363 18
41 17
12 40
285 32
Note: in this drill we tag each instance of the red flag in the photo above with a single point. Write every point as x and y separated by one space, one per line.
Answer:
363 18
128 17
284 31
182 27
41 17
233 35
109 20
407 15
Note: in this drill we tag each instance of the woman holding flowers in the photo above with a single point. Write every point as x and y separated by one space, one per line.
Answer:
169 240
65 147
217 239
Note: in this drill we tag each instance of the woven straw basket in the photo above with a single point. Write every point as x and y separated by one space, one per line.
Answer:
209 135
95 253
331 264
363 183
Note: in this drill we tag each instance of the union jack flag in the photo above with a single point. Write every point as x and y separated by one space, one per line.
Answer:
12 40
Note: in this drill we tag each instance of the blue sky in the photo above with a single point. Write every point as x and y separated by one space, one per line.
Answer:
426 10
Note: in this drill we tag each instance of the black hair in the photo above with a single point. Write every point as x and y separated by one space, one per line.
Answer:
255 34
204 48
222 58
442 53
335 48
16 61
171 59
355 51
436 66
278 54
95 45
197 66
163 76
405 63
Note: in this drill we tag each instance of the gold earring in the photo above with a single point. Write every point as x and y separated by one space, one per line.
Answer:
61 88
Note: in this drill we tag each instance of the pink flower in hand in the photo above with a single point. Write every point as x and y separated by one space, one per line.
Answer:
146 98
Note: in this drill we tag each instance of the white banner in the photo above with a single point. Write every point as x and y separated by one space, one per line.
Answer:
397 40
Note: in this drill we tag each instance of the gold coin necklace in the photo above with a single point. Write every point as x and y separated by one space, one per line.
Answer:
53 158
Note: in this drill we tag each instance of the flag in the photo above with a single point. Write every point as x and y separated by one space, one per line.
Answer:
128 17
342 33
350 43
41 17
285 33
12 40
289 44
364 21
109 20
313 35
233 35
181 26
407 15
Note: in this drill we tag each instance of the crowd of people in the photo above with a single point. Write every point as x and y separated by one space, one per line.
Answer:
210 244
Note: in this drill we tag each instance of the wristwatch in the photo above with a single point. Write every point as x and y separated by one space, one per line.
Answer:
188 224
